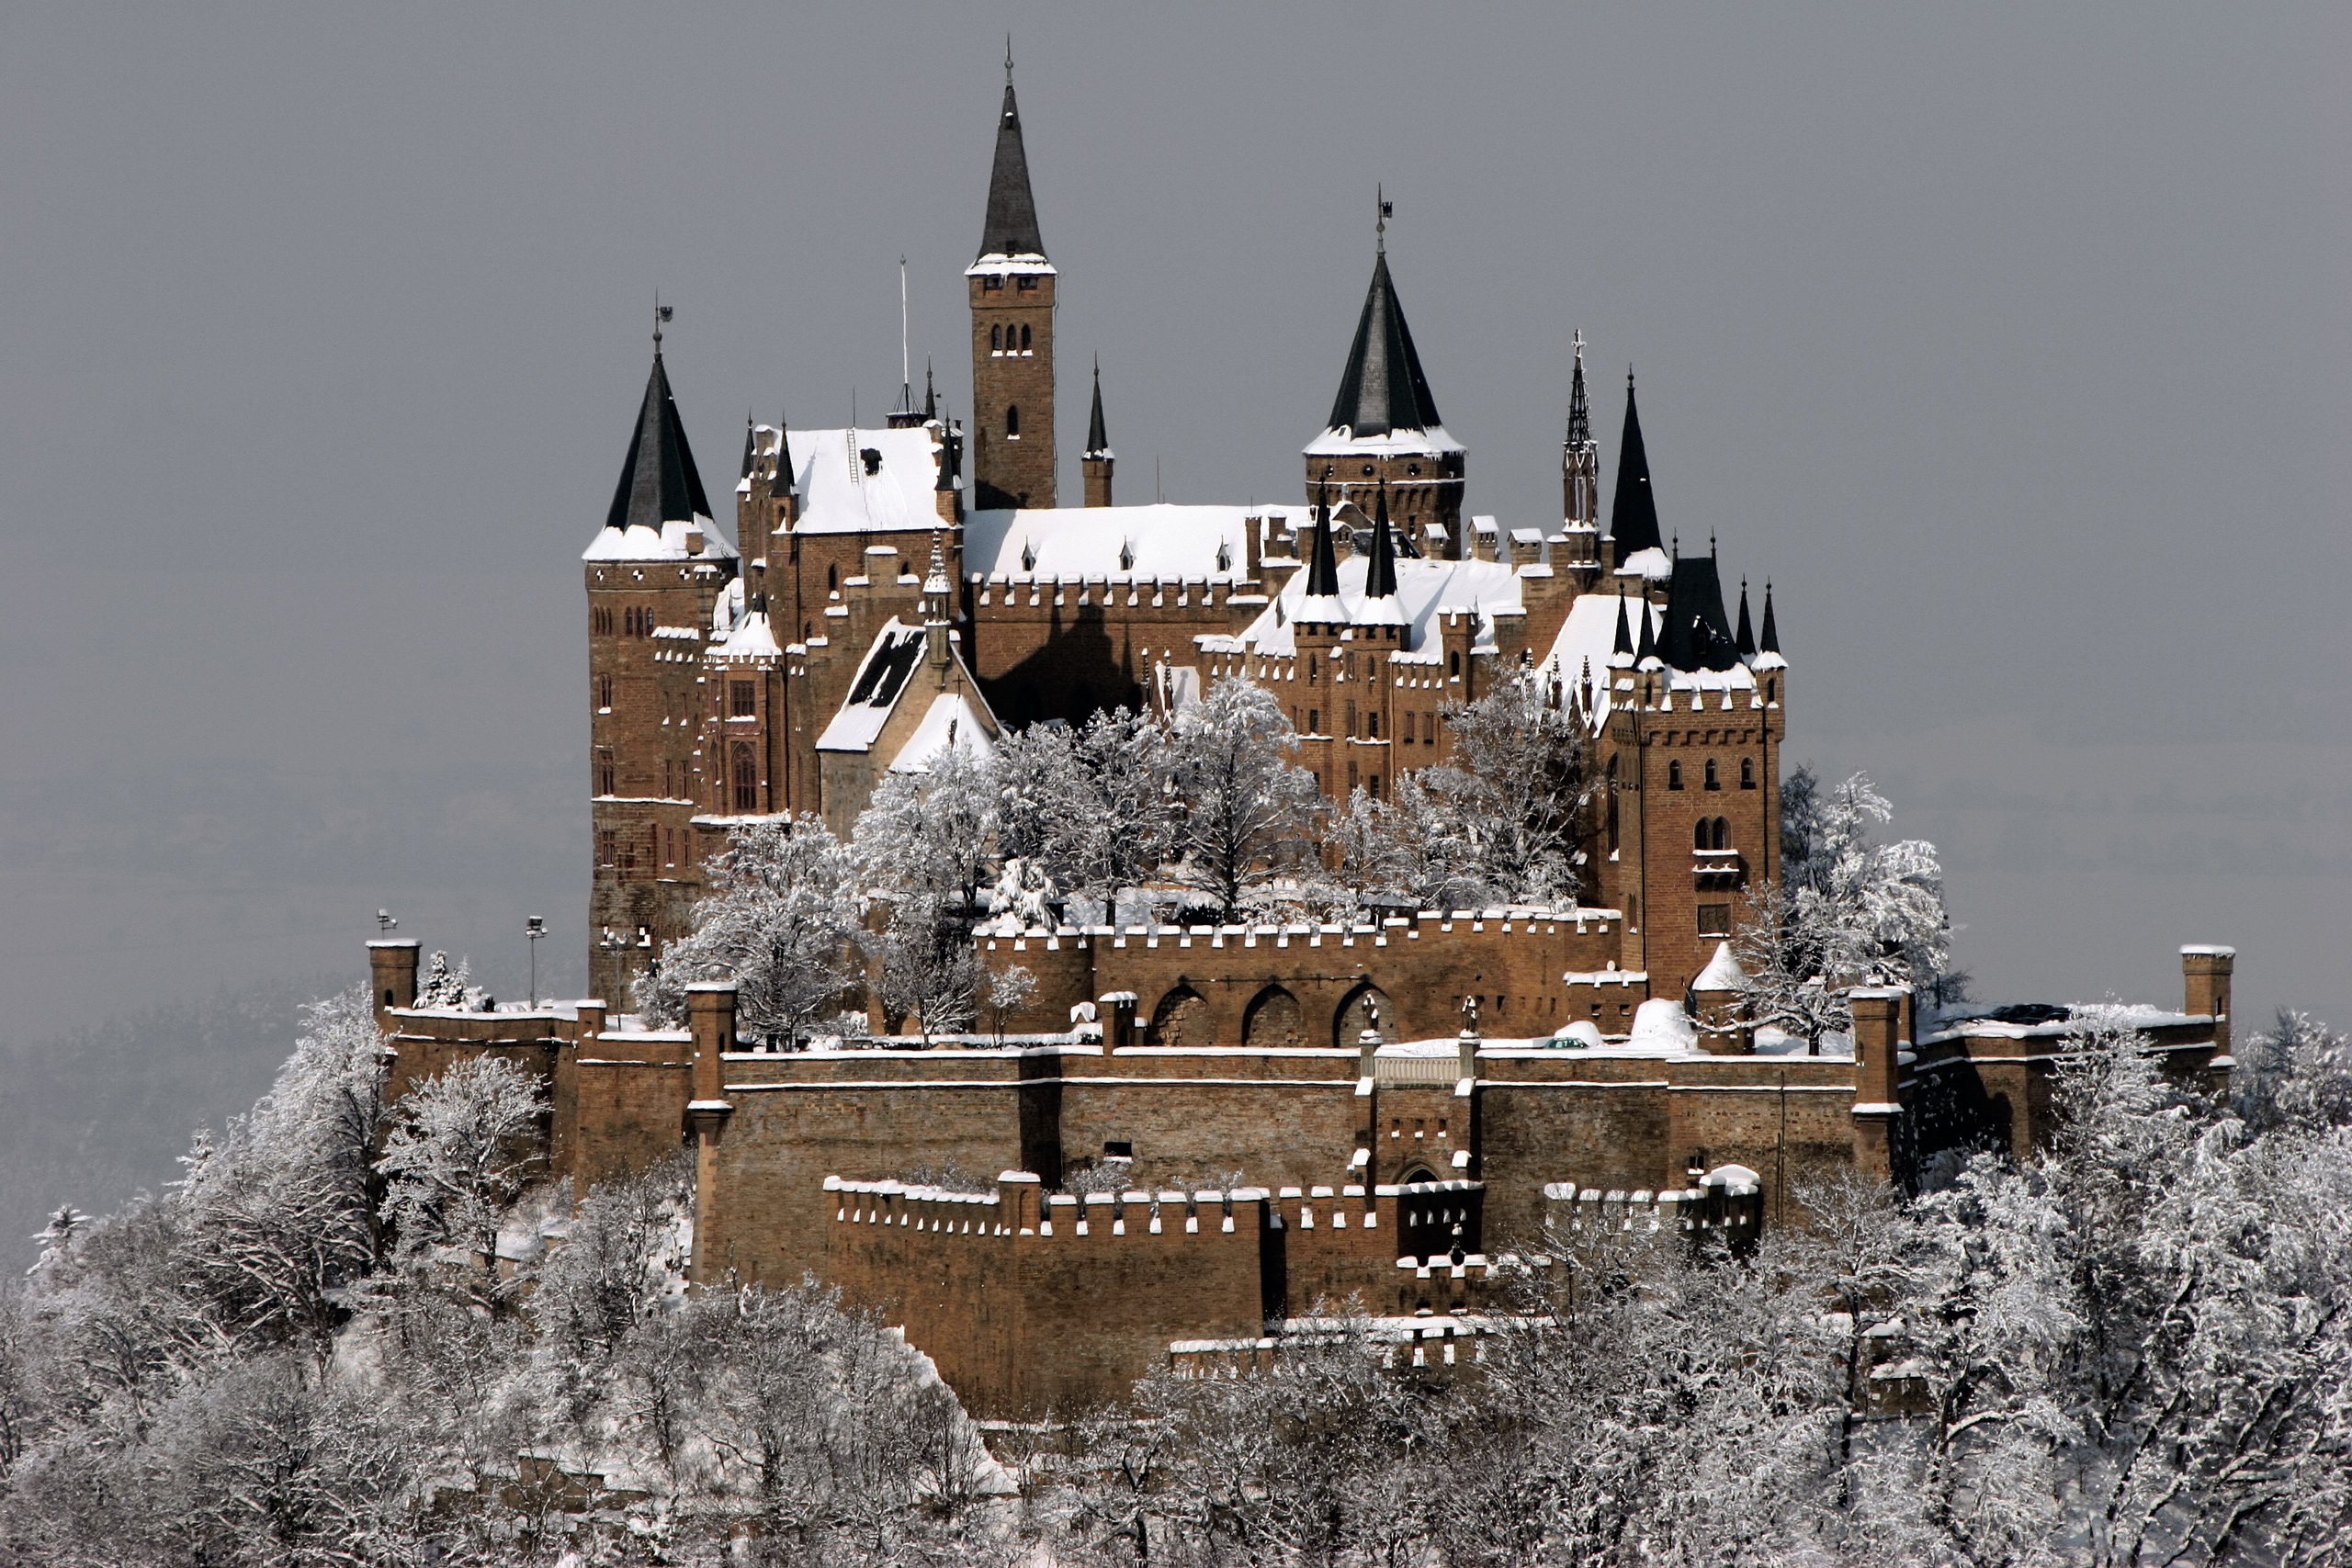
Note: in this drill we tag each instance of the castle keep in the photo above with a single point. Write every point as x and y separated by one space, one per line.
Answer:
1192 1133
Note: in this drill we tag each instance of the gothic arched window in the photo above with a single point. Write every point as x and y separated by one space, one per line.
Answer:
1747 772
832 578
1722 834
1024 337
996 339
1713 782
1012 421
1700 835
1674 776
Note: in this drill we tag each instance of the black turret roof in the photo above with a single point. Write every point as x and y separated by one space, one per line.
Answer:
1098 439
1745 638
787 478
1322 565
1624 643
658 482
1633 516
1380 577
1382 388
1771 642
1011 229
1697 634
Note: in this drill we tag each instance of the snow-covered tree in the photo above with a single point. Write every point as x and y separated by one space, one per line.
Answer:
1087 806
1848 912
463 1144
1247 811
1518 788
931 833
281 1208
2297 1072
779 920
1009 990
442 986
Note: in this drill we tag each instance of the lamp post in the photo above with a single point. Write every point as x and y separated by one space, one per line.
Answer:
534 927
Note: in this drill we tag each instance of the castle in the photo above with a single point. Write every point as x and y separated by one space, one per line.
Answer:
1203 1130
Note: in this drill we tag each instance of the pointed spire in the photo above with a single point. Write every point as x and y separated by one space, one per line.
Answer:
1696 635
1322 566
930 393
1011 227
1645 655
1633 516
787 478
747 445
1624 643
1098 440
1380 577
1382 388
1771 640
1744 639
1579 415
658 482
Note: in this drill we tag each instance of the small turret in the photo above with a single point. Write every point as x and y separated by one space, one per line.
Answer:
1767 647
1633 515
1744 639
1621 653
1099 459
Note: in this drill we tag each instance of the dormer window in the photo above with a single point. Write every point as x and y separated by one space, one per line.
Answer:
872 458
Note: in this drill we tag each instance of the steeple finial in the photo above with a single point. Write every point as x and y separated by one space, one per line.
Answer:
1380 224
1008 58
661 313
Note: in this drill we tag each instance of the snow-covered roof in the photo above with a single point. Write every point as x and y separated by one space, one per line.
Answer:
1342 442
751 637
1652 563
668 543
1110 543
997 265
1425 590
1588 636
951 721
881 677
837 494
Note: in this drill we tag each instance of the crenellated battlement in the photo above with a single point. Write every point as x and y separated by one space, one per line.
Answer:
1726 1203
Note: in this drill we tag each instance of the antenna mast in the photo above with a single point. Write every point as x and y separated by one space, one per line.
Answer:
906 374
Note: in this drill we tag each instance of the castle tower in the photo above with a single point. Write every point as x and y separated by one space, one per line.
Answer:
1099 459
655 571
1384 428
1011 290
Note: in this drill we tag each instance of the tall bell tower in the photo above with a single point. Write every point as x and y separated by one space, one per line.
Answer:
1012 286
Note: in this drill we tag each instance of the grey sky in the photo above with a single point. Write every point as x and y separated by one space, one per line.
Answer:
2010 342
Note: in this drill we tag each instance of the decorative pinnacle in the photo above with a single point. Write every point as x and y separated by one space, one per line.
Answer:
1008 60
661 313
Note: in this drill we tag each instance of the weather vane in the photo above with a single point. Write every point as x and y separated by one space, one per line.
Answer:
1387 210
661 313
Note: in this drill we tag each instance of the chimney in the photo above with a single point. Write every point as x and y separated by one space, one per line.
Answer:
393 967
2205 975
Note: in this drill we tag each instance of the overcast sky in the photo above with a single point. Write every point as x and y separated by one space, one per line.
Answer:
2010 342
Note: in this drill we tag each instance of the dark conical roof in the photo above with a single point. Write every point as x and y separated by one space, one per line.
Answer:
1624 643
748 431
1633 516
1011 229
658 482
1380 577
1745 638
1382 388
1772 643
1322 565
1697 636
1098 440
787 478
1648 648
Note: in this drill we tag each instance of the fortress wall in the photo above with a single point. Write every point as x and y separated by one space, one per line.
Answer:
1225 1119
624 1106
1031 1306
786 1136
1421 967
